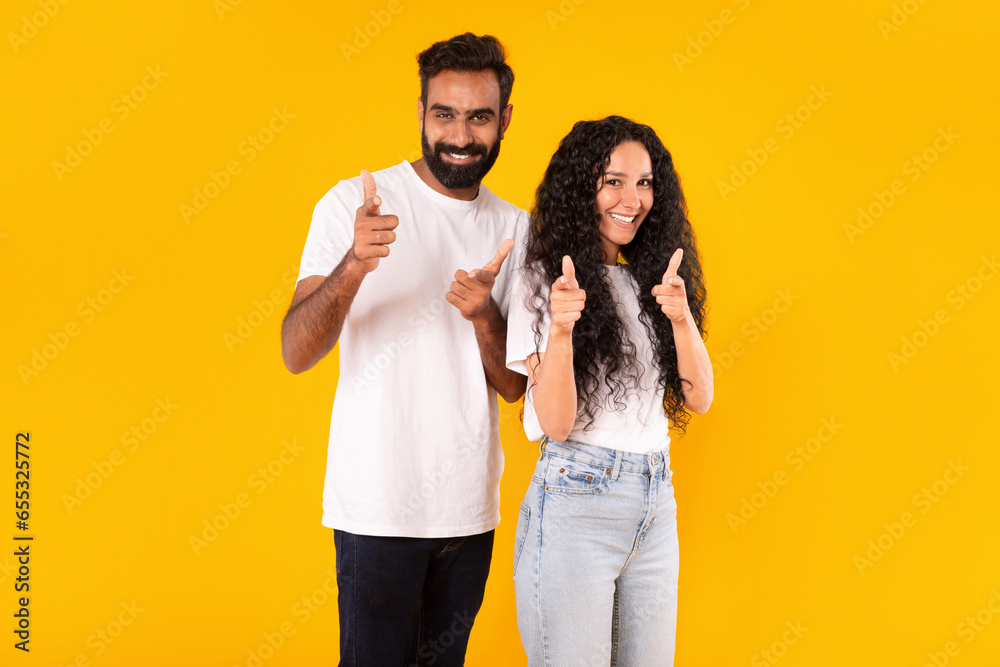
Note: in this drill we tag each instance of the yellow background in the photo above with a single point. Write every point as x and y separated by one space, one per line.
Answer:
168 333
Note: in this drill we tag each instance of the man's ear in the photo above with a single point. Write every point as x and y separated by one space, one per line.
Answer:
420 114
505 118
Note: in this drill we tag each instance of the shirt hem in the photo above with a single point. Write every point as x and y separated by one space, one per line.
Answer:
379 530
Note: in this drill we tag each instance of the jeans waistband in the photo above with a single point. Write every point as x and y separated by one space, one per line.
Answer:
606 457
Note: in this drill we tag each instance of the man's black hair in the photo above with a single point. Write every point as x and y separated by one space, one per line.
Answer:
467 53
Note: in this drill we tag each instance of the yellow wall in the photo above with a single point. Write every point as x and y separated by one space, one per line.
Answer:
856 360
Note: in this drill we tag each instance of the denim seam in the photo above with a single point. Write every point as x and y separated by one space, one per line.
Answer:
538 572
354 598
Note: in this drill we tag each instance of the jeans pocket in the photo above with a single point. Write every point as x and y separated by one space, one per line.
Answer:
575 477
522 532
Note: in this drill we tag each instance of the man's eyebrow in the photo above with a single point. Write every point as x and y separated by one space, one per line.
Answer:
483 111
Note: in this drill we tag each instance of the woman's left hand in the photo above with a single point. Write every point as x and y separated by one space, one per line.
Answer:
670 293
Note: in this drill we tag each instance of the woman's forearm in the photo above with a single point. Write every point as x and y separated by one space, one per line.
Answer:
554 385
694 366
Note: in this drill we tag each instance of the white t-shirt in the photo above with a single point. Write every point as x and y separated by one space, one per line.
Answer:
414 437
642 427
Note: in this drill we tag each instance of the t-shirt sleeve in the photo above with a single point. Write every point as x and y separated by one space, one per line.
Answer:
522 312
331 232
504 281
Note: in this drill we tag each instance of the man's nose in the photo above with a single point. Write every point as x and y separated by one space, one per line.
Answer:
462 136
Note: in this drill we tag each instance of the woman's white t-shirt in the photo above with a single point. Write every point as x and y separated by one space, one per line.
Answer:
642 427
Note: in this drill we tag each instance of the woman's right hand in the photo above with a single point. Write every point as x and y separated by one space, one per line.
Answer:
566 300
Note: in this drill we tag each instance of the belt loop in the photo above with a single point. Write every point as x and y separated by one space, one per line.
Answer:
618 466
541 445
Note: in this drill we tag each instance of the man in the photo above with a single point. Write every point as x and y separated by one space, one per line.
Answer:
414 464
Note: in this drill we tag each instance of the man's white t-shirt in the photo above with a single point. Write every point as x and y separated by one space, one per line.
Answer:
414 436
642 426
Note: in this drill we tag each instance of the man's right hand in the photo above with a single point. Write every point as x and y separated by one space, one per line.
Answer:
372 231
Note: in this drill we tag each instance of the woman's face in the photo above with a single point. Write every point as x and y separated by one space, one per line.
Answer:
624 197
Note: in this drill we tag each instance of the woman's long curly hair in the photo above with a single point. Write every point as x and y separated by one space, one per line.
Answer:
565 221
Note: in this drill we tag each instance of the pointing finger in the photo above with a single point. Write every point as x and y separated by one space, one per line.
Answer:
372 200
675 262
569 273
493 266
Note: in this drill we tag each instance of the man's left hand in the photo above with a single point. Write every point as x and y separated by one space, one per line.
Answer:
470 292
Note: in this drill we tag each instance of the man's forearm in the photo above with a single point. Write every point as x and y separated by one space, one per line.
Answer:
491 334
312 325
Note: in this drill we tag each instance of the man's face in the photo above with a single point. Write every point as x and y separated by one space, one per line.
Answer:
461 126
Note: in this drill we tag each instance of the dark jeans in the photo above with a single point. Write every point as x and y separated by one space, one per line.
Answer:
407 601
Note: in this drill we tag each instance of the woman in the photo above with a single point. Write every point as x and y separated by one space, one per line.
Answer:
606 320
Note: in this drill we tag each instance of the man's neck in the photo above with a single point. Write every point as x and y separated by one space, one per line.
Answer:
424 172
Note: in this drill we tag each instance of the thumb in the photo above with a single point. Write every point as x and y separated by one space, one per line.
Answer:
675 262
493 266
569 273
372 200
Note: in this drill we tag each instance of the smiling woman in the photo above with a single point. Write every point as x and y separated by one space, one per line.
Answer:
607 324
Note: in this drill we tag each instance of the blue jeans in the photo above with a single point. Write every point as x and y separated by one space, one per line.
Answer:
407 601
596 560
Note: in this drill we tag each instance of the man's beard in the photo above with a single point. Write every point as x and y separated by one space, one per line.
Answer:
459 176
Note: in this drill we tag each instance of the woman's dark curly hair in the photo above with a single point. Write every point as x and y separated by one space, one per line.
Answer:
565 221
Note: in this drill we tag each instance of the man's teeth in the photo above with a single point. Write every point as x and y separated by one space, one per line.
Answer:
459 157
622 218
